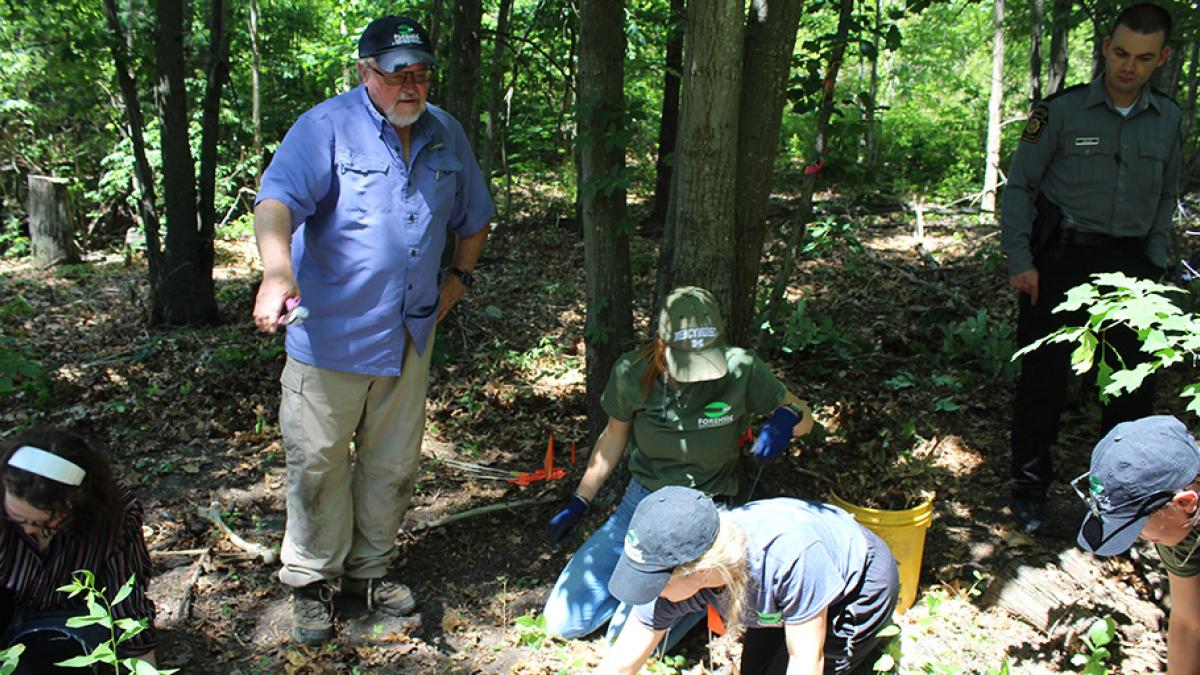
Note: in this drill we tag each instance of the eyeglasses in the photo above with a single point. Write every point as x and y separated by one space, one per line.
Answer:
1093 528
412 77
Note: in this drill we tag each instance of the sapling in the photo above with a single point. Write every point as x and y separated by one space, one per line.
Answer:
100 613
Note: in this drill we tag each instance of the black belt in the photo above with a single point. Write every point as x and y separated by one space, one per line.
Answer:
1105 241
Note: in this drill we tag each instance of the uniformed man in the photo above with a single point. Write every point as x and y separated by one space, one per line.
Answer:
1106 158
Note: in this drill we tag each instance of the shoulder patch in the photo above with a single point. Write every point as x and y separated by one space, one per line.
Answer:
1036 124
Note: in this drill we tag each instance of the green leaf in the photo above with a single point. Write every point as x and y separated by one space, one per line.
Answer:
1081 358
1102 631
78 661
1077 298
884 664
890 630
1129 379
125 590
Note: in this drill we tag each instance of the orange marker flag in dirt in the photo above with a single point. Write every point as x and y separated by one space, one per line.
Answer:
550 458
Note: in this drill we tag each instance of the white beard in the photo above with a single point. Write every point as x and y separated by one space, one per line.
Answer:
399 120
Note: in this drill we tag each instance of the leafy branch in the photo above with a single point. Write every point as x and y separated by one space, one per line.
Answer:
1166 333
100 613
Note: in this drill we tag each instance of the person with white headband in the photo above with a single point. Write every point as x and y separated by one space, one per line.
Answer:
63 511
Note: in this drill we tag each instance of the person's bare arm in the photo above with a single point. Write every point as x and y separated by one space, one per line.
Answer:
466 254
805 424
806 645
273 233
633 646
609 448
1183 631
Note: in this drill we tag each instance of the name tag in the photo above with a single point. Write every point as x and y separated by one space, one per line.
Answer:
1087 140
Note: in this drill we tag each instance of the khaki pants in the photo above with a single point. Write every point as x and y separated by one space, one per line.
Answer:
343 515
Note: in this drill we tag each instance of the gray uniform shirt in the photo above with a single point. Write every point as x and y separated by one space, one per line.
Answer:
1110 174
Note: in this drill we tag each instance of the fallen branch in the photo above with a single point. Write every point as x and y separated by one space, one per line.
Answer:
213 513
955 298
185 603
181 552
490 508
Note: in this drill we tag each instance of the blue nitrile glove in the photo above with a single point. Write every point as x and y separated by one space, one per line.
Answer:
776 434
562 523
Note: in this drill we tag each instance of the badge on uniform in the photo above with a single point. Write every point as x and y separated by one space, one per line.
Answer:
1036 124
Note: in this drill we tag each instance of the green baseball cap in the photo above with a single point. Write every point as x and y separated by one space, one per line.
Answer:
691 325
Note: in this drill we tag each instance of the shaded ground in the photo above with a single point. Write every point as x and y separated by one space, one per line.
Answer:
910 381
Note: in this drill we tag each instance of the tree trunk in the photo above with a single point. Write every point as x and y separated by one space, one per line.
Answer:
210 126
184 294
255 92
870 131
602 172
50 227
820 143
1193 85
702 199
770 39
1060 17
464 67
497 121
147 203
668 121
1037 11
991 171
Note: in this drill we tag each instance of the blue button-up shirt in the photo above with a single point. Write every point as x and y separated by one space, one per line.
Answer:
368 229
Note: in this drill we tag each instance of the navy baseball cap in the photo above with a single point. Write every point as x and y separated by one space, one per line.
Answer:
670 527
1136 469
396 42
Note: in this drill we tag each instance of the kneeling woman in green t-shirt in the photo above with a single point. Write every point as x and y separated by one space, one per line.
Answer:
680 404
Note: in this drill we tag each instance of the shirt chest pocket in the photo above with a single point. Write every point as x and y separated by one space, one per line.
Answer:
442 173
363 179
1150 164
1088 158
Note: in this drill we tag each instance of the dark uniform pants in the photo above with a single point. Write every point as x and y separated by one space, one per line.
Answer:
1041 389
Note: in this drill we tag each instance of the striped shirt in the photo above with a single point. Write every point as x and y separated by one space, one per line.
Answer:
33 579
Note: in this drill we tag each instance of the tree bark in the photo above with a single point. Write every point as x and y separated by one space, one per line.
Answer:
668 121
991 171
50 227
464 67
602 176
147 202
184 294
255 92
702 199
870 131
210 127
1060 18
770 39
1037 11
497 121
820 143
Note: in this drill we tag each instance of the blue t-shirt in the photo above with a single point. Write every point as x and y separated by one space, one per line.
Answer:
369 229
803 557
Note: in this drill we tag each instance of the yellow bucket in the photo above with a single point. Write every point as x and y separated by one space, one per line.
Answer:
904 533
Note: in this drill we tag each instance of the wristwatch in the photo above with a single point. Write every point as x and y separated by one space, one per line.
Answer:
464 276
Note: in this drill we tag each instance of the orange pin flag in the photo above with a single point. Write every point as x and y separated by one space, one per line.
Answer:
715 624
550 457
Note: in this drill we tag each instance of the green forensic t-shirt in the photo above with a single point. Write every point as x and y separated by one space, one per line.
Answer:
1175 558
687 434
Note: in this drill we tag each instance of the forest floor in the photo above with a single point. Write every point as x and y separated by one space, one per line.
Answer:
901 349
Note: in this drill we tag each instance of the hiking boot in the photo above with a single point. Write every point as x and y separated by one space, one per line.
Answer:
1030 514
386 596
312 613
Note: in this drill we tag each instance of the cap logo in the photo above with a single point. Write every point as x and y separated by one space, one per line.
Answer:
696 336
405 35
631 550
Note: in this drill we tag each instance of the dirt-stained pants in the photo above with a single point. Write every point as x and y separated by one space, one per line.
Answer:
343 515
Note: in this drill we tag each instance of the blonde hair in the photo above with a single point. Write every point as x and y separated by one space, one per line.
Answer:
727 557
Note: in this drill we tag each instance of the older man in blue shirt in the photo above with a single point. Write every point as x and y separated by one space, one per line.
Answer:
354 212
